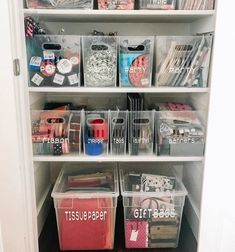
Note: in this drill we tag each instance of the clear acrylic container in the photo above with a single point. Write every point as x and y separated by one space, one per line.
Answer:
116 4
86 207
54 61
153 201
195 5
183 61
158 4
100 61
56 132
141 132
180 133
135 61
59 4
96 133
118 132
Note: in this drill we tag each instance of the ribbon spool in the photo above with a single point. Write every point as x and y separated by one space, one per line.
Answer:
47 68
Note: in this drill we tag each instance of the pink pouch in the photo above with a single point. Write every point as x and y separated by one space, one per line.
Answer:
136 234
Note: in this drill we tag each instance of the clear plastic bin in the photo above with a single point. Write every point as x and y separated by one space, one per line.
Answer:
195 5
183 61
116 4
96 133
141 132
135 61
54 61
118 132
100 61
158 4
56 132
153 201
59 4
85 201
180 133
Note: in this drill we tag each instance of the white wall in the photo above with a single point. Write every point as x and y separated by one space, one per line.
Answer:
217 215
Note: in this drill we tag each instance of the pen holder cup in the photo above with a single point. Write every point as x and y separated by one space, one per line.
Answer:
135 61
54 60
158 5
99 61
141 132
56 132
96 133
183 61
180 133
116 4
118 132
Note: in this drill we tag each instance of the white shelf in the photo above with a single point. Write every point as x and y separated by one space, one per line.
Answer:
127 158
116 90
121 16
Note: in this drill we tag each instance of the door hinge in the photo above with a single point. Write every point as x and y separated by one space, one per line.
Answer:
16 67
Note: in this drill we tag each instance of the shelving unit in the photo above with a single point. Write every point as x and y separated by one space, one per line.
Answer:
109 158
120 16
136 22
85 90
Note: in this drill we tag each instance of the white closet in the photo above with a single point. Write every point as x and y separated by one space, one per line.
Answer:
39 172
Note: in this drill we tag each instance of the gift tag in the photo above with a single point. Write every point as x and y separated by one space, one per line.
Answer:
134 235
145 82
73 79
58 79
48 55
64 66
35 63
37 79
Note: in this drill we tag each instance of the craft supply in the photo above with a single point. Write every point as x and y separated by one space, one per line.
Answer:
56 4
47 68
118 132
136 234
196 4
179 130
55 131
96 133
183 61
54 60
116 4
141 126
32 28
100 61
135 61
85 202
153 200
158 4
64 66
